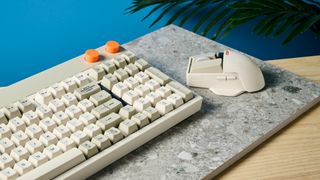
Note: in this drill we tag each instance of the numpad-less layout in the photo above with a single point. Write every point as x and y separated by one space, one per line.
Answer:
80 117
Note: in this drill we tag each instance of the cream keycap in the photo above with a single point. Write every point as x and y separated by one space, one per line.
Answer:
11 111
34 131
87 118
6 161
131 69
152 85
108 81
88 148
119 89
111 120
142 90
141 104
48 138
34 146
141 77
16 124
23 167
52 151
101 141
25 105
47 124
57 90
8 174
151 113
81 79
119 61
92 130
69 99
19 153
121 74
131 82
69 85
6 145
30 117
60 117
43 96
142 64
86 105
108 66
128 127
4 131
37 159
164 107
66 144
141 119
75 125
178 88
56 105
19 138
127 112
44 111
87 90
175 99
130 97
157 75
73 111
97 73
79 137
114 134
100 98
61 132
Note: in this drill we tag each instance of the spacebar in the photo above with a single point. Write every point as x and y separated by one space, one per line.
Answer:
56 166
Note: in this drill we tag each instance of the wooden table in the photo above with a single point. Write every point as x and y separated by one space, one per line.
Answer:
294 152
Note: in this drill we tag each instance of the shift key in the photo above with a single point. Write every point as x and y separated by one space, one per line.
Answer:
87 90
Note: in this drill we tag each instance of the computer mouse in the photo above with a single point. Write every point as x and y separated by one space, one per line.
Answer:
227 73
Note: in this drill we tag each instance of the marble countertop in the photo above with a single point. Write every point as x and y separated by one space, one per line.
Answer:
225 129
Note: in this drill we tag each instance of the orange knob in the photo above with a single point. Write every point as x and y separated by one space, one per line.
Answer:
91 56
112 47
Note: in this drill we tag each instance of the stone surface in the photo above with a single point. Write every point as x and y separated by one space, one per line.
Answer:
222 129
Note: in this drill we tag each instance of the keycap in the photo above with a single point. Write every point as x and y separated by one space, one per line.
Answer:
163 91
131 69
151 113
127 112
121 74
11 111
69 99
157 75
88 148
108 81
30 117
92 130
86 105
175 99
142 64
25 105
178 88
61 132
60 118
6 145
142 90
16 124
96 72
48 138
37 159
164 106
87 118
44 111
8 174
140 119
119 89
152 85
153 97
130 97
23 167
101 111
108 66
114 134
128 127
74 125
19 153
131 82
6 161
69 85
112 120
100 98
3 118
66 144
43 96
52 151
87 90
81 79
101 141
79 137
56 166
129 56
91 56
4 131
47 124
112 47
73 111
19 138
34 131
56 105
141 77
57 90
119 61
34 146
141 104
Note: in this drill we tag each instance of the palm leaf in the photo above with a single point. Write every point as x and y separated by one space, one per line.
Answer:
275 16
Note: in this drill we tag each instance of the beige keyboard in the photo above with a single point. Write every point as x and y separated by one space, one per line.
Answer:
72 120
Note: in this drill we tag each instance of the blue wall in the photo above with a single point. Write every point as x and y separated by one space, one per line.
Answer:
36 35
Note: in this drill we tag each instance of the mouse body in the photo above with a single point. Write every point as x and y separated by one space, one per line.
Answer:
225 73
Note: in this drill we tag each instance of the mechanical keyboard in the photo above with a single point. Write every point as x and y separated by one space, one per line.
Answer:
74 119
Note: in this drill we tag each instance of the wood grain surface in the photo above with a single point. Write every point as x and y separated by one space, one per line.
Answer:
294 152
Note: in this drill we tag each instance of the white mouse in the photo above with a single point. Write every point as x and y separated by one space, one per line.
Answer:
228 73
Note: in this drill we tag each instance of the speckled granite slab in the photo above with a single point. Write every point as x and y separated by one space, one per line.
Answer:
225 129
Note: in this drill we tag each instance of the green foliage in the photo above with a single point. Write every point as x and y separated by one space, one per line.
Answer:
275 17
